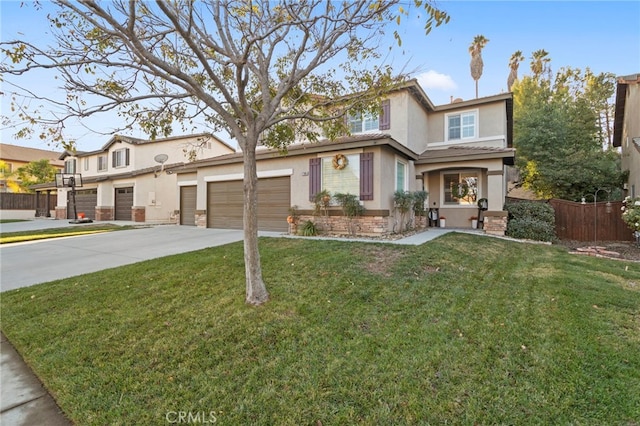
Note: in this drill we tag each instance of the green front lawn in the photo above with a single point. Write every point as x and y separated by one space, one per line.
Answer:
462 330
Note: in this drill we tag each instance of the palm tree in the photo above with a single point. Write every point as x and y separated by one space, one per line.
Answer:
540 63
475 49
514 63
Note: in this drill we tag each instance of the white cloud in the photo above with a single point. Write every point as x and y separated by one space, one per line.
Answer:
434 80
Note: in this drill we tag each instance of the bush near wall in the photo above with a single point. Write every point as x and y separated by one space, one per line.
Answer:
531 220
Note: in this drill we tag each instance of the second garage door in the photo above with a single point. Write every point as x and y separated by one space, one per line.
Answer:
124 203
225 204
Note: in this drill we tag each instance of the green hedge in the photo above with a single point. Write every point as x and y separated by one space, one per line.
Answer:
531 220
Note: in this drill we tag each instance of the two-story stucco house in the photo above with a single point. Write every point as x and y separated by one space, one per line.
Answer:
125 179
412 145
626 133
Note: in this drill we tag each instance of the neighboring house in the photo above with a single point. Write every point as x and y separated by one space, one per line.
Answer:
626 131
126 178
12 157
457 152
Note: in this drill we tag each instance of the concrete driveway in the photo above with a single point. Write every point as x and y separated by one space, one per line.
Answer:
25 264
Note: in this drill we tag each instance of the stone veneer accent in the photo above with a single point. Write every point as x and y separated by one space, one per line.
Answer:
61 213
495 222
363 225
201 218
138 214
104 213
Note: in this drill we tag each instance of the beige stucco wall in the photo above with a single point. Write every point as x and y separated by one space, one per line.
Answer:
298 168
492 131
408 121
631 129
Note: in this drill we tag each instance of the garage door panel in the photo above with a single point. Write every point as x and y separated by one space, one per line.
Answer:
188 196
124 203
86 201
226 203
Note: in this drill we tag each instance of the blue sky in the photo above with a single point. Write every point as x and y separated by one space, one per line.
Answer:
603 36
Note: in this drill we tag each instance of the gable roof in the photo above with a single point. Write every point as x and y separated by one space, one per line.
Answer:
136 141
27 155
621 99
347 142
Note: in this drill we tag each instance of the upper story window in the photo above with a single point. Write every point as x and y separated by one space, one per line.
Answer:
70 166
462 125
368 122
361 123
102 163
120 158
86 164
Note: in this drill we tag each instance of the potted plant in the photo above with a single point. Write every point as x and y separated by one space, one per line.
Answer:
293 219
443 221
474 222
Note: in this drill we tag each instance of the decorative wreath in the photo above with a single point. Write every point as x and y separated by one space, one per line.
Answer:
460 190
340 162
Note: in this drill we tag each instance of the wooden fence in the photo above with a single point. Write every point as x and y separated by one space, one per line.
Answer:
12 201
590 222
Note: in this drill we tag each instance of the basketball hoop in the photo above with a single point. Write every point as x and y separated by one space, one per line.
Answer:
73 181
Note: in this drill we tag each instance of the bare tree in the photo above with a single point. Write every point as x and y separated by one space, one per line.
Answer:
257 69
514 63
476 65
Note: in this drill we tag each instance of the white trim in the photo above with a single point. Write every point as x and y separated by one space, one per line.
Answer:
124 185
188 183
240 176
476 122
503 138
406 174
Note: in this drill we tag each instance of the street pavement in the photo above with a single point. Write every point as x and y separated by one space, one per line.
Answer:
23 399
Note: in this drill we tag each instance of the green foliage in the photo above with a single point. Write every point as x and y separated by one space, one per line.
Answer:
559 132
531 220
419 199
350 204
308 229
631 213
35 172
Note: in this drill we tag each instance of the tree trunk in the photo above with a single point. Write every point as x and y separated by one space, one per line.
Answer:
256 291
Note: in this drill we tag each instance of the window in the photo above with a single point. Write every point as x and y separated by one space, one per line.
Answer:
461 126
70 166
120 158
356 177
102 163
368 122
345 181
401 176
361 123
460 188
86 164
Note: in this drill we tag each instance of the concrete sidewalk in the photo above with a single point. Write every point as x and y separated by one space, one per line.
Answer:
24 401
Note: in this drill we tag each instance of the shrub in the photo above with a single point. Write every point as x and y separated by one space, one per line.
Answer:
308 229
631 213
531 220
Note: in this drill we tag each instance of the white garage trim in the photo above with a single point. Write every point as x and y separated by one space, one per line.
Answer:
188 183
239 176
